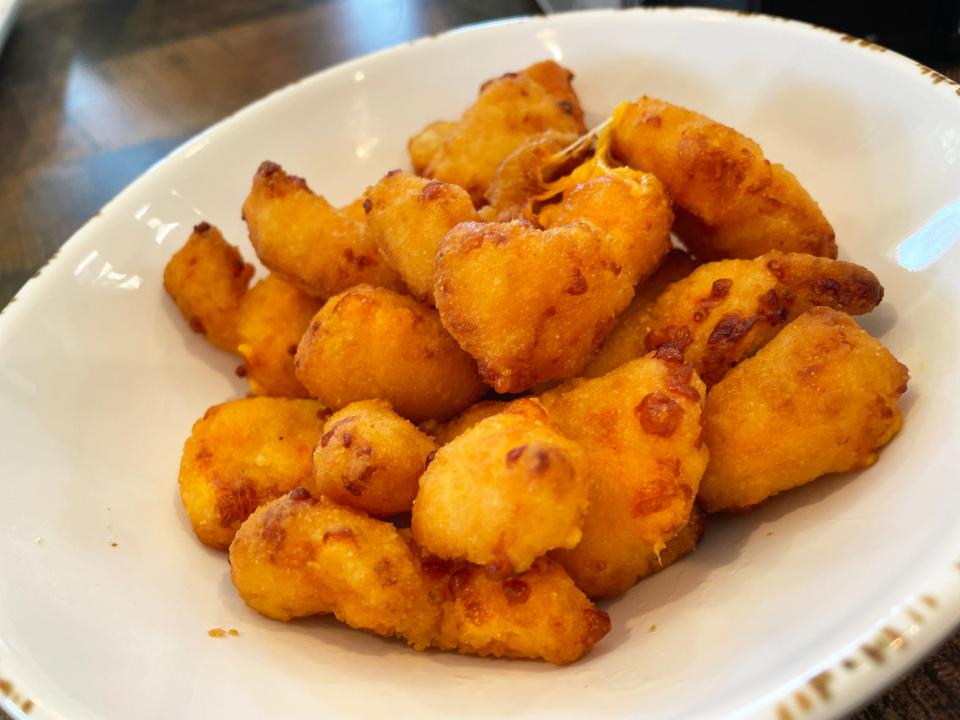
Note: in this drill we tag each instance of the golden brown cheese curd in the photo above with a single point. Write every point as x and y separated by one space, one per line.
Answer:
445 432
509 109
821 397
306 241
731 201
649 562
425 144
370 459
370 342
727 310
357 210
272 319
207 278
533 305
503 493
628 339
684 542
640 426
300 556
518 177
630 209
242 454
538 614
530 305
407 218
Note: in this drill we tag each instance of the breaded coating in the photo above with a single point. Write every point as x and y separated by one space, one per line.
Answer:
503 493
725 311
684 542
518 177
242 454
207 278
356 211
533 305
306 241
731 201
424 145
821 397
370 342
509 109
628 339
370 459
647 562
631 210
445 432
407 218
272 319
556 80
299 556
641 428
539 614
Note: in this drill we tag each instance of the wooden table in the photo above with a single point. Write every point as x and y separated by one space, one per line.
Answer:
94 91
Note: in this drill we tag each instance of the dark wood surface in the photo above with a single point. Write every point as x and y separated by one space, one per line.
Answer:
92 92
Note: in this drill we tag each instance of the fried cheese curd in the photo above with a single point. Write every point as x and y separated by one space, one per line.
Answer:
730 200
509 110
306 241
503 493
207 279
242 454
725 311
640 426
425 144
272 319
407 217
370 342
519 178
299 556
445 432
370 459
649 562
538 614
821 397
628 338
532 304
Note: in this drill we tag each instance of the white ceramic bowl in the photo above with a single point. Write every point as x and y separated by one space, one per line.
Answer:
802 609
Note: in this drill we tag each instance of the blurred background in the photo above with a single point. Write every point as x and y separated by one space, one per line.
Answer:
93 92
